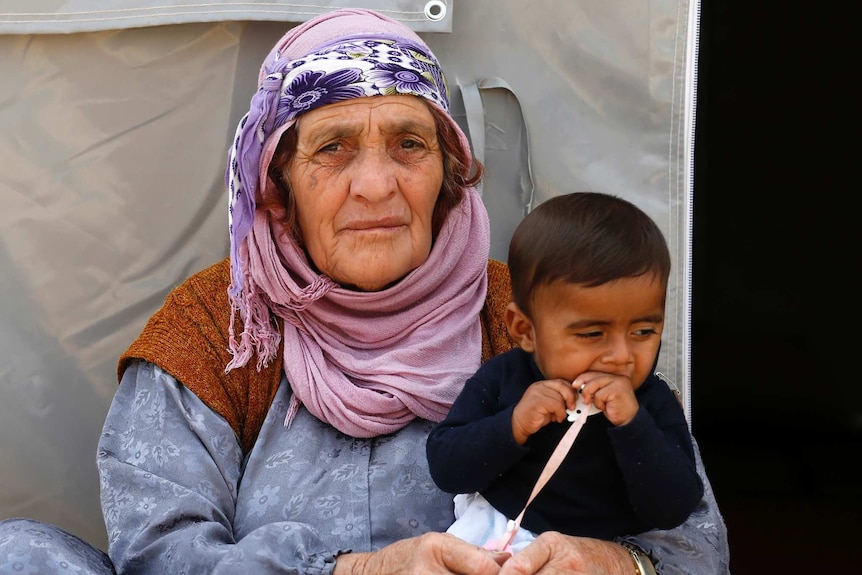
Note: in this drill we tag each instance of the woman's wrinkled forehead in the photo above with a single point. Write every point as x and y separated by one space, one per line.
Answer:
384 116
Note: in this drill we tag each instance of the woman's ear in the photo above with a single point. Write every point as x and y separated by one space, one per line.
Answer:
520 327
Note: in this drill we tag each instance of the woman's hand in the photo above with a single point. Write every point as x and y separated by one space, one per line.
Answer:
428 554
553 553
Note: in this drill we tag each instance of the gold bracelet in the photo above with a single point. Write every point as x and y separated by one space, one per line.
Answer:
643 565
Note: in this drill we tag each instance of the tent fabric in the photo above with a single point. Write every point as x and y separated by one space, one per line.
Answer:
113 144
72 16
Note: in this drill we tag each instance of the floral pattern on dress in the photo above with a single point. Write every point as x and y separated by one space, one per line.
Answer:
29 547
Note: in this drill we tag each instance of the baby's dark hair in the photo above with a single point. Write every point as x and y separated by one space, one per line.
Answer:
585 238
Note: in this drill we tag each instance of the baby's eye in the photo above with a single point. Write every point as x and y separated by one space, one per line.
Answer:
589 334
646 331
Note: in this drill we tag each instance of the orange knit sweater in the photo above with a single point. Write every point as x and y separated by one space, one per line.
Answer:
188 338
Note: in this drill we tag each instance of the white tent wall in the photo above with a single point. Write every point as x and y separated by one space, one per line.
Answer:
113 139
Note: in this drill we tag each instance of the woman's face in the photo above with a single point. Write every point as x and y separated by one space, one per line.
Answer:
365 179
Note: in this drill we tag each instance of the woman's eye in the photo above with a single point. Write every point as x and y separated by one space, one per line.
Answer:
332 147
410 144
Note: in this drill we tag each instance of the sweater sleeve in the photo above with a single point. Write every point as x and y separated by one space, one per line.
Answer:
655 454
474 444
661 479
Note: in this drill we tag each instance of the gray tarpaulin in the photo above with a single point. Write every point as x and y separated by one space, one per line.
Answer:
70 16
115 118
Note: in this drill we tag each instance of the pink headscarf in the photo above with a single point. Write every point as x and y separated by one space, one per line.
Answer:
365 362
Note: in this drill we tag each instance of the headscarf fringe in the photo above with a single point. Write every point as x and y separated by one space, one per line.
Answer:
259 336
292 410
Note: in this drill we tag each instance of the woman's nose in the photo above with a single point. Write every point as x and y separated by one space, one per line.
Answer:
372 175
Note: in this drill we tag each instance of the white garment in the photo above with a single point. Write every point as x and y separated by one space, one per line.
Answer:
478 522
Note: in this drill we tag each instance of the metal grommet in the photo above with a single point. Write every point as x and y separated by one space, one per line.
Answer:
435 10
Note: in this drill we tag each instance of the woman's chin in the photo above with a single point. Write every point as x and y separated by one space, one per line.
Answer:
373 275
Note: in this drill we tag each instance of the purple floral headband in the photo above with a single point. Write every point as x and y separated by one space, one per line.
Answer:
342 70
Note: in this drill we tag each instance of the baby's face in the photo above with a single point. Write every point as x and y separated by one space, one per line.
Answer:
612 328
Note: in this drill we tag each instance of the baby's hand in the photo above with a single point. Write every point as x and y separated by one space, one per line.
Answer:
612 394
543 402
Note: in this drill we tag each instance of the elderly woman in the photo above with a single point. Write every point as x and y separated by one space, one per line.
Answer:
272 416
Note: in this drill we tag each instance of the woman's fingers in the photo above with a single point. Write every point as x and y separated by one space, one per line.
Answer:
553 553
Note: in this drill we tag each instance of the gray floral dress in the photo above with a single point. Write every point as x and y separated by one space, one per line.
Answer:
179 498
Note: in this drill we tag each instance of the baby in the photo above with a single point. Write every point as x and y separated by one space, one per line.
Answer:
589 281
